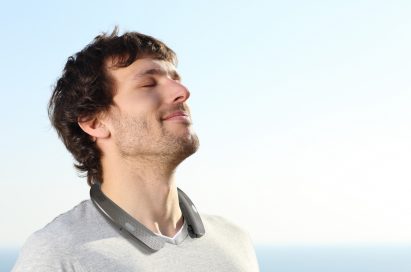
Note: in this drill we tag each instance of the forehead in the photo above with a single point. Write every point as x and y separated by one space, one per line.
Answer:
141 67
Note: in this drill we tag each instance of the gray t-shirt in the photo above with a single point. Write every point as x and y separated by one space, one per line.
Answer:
82 239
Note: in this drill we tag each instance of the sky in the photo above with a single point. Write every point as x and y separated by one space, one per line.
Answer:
302 109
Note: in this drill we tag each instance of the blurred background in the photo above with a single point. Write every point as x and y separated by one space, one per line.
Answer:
302 109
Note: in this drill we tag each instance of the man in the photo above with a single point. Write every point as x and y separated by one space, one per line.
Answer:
121 110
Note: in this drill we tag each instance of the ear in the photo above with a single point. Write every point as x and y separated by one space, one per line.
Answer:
94 127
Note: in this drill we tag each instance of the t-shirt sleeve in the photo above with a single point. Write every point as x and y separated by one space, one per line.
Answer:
41 254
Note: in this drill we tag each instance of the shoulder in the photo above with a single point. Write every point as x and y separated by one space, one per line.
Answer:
50 248
68 227
232 239
219 222
223 227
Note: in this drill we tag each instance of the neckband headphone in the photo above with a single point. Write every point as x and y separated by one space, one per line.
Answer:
126 222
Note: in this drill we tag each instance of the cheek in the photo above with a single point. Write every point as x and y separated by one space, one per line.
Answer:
145 107
143 102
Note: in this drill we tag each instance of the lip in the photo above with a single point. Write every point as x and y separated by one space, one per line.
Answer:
176 115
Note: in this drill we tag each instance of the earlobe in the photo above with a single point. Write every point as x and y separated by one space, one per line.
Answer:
94 127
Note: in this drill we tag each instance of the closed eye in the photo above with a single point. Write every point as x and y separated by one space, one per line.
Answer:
148 84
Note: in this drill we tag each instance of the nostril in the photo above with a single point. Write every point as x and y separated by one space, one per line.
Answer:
180 99
182 95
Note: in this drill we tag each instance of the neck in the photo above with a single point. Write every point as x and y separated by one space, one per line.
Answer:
145 189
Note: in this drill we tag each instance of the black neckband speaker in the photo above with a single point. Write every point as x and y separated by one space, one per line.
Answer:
137 230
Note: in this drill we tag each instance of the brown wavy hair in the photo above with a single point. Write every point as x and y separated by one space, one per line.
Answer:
85 89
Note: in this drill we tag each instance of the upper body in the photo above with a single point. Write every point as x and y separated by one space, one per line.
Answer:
121 109
83 240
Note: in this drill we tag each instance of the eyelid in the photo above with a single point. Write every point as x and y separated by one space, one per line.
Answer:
148 83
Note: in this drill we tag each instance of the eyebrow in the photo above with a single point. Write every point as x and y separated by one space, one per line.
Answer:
157 71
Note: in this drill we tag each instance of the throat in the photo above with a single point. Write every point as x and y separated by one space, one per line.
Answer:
153 203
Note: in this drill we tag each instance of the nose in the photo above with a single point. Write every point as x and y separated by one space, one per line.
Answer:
178 92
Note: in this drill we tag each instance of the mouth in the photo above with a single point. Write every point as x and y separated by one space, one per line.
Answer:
175 114
179 116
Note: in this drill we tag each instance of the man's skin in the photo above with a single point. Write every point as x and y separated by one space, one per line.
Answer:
140 148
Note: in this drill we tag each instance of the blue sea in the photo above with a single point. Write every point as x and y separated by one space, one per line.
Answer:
392 258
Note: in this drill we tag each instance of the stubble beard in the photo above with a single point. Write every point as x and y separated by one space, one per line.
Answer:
136 138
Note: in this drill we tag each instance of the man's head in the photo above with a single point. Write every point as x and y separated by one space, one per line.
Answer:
115 96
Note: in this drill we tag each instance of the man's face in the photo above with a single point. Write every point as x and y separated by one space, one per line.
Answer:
146 96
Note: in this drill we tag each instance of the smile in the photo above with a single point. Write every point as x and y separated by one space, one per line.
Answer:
178 116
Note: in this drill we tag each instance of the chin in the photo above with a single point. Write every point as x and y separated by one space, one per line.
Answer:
191 145
187 147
